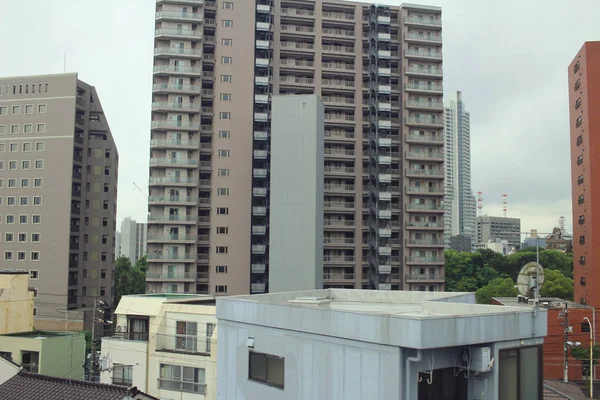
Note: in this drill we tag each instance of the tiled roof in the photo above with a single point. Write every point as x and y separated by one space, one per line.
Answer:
557 390
29 386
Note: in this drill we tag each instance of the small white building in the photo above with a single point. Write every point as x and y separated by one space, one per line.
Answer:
165 344
498 246
355 344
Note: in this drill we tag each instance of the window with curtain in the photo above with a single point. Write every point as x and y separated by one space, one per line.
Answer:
122 375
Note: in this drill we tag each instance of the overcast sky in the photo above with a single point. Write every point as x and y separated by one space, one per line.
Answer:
509 58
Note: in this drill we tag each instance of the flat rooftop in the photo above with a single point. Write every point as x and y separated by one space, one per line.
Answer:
41 334
401 318
545 302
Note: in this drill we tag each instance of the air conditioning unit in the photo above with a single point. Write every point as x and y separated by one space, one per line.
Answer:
533 302
558 304
481 358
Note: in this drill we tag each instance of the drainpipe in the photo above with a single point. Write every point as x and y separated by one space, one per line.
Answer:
408 361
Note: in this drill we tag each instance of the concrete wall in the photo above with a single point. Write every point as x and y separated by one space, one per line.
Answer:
296 224
16 303
7 370
126 352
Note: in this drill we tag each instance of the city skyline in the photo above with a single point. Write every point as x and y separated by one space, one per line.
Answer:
538 189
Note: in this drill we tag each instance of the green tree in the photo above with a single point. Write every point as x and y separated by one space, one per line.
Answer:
129 279
582 353
499 287
557 285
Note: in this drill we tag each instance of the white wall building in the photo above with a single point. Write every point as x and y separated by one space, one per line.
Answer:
297 187
132 241
339 344
165 345
499 246
460 207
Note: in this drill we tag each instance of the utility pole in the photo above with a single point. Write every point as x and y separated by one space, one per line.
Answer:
93 347
566 344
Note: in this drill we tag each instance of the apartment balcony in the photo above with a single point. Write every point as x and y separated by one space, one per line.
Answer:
173 219
174 144
424 72
170 238
172 88
331 188
339 67
291 63
335 170
263 44
261 117
175 125
204 202
343 136
337 16
414 260
412 242
177 34
170 257
297 30
170 52
293 46
340 206
384 142
331 277
170 276
334 153
425 173
173 162
338 242
210 5
421 22
416 37
428 208
260 154
424 139
424 190
259 173
424 156
173 181
263 8
338 33
175 70
179 16
425 278
338 101
424 89
210 22
385 214
204 184
204 239
176 107
262 80
258 268
424 226
384 36
259 211
296 81
258 135
423 55
424 105
258 287
259 192
337 84
203 220
197 344
263 26
208 76
206 130
197 3
340 119
334 259
297 13
203 259
259 249
424 122
178 200
337 49
259 230
336 224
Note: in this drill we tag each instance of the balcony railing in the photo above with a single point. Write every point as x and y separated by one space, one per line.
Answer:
424 189
424 242
135 336
337 49
297 63
177 276
425 88
414 259
181 386
423 37
167 237
173 142
173 161
171 179
178 15
297 29
194 344
172 199
425 154
423 21
424 71
297 12
188 218
170 256
178 51
300 46
178 32
176 87
337 277
426 277
424 207
425 172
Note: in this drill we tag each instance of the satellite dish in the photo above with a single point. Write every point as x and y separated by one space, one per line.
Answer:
526 281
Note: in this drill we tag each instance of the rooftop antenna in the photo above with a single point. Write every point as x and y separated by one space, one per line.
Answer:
504 204
65 63
480 203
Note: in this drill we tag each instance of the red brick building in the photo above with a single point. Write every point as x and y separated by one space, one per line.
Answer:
553 343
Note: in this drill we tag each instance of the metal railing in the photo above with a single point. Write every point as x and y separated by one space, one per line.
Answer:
180 386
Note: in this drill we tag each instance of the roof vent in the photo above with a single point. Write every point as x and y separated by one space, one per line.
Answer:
310 300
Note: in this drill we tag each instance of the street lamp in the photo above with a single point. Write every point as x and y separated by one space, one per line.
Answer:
591 357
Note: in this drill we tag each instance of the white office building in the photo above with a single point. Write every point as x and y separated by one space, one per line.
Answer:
165 344
340 344
460 207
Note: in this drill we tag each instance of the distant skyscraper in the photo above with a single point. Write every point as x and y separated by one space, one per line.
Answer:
131 241
498 228
460 207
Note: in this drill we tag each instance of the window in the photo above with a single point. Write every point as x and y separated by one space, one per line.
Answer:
39 146
227 23
581 219
12 165
222 249
226 78
39 164
122 375
25 164
11 201
14 129
21 256
16 110
42 109
22 237
221 289
224 153
2 147
222 191
577 84
227 42
224 115
10 219
3 110
224 134
36 219
41 128
9 237
12 183
222 210
182 379
186 336
226 60
2 129
35 237
267 369
29 109
580 199
576 67
578 103
582 260
26 146
24 201
34 274
13 147
221 269
8 256
222 230
37 182
581 239
35 311
1 164
225 96
580 180
27 128
580 160
223 172
34 256
37 200
25 182
579 140
22 219
228 5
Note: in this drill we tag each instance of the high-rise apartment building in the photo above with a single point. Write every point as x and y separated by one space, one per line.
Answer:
498 228
378 71
460 207
58 191
131 240
584 107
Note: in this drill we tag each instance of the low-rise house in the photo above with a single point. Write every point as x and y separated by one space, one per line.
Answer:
165 344
16 302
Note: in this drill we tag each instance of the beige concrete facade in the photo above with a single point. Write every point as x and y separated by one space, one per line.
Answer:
59 191
16 302
216 65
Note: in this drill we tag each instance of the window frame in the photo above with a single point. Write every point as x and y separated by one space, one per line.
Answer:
256 356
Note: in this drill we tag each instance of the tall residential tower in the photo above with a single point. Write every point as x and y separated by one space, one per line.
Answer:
58 192
584 108
459 202
378 71
131 241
